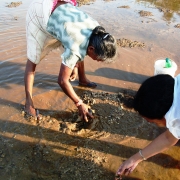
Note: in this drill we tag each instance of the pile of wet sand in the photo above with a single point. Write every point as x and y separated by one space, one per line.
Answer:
123 42
60 146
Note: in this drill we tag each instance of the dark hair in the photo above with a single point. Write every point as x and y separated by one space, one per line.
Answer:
155 96
103 43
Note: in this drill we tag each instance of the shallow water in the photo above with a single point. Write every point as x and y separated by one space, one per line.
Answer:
132 66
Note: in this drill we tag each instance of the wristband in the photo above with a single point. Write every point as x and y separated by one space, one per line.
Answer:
79 103
140 152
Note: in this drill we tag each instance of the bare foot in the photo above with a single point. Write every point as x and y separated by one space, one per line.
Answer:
31 112
30 109
88 84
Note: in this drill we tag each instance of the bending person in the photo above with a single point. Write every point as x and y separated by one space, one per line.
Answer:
157 101
78 33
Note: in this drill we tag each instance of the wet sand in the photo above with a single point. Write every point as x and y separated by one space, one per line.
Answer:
54 148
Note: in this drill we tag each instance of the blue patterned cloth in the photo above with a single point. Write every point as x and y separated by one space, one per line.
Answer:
73 29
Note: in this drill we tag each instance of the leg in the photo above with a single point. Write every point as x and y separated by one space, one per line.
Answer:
37 47
29 80
74 74
82 77
81 73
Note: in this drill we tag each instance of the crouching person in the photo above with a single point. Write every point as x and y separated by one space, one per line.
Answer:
157 101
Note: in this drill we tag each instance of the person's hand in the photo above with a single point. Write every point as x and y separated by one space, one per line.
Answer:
74 74
84 113
127 167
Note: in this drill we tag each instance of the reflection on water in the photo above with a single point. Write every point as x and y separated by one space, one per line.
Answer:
169 8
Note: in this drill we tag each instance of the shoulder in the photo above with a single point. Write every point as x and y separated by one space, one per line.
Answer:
173 115
173 126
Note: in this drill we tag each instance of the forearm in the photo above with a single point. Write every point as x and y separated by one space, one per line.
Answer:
63 81
69 91
161 143
158 145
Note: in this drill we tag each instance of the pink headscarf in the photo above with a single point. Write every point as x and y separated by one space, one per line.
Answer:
73 2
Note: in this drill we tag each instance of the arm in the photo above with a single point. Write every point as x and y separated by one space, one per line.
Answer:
161 143
28 81
63 81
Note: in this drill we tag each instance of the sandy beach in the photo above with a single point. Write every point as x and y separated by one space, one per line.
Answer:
59 147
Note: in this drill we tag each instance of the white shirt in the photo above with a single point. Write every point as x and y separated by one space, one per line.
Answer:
173 115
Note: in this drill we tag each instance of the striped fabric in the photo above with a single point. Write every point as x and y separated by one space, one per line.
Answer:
38 39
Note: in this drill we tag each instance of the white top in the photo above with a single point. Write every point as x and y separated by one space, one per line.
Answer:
173 115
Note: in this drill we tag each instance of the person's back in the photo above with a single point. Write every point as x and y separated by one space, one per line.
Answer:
73 28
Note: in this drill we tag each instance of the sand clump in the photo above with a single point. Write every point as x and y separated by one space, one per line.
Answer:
14 4
84 2
145 13
127 7
123 42
177 26
165 10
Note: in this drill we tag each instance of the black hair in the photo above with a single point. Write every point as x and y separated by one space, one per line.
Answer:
155 96
103 43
